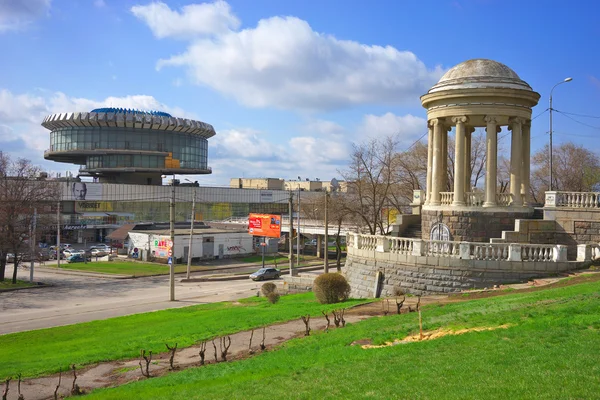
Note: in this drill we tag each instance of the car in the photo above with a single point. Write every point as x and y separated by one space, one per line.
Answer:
103 247
75 258
265 273
97 252
68 253
53 255
66 246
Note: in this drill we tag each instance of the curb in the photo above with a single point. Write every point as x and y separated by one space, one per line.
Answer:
38 285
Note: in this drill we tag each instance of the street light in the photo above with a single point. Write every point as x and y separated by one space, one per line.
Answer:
550 149
189 260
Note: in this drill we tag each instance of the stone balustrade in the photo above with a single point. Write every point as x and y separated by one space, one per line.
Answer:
475 199
446 198
464 250
573 199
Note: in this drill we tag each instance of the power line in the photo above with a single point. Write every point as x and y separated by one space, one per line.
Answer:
578 115
579 122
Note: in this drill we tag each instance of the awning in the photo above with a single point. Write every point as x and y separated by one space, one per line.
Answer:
120 234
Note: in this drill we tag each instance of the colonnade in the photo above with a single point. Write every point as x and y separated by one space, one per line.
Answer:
437 159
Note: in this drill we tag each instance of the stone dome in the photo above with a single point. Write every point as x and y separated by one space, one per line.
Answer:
480 73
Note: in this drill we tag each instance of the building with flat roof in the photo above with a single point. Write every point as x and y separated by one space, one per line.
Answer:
117 145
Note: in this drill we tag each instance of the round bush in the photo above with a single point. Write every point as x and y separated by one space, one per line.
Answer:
331 288
273 297
267 288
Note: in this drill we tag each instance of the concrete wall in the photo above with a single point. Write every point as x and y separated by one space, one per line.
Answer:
427 275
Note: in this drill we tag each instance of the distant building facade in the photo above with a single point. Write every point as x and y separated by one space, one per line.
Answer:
281 184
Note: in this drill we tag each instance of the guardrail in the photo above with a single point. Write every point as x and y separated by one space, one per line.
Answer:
467 250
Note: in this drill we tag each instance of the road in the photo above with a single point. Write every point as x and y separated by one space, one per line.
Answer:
72 299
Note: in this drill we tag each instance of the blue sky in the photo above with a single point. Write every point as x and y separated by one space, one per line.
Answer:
288 85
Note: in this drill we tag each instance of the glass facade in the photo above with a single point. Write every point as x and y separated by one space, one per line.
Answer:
191 150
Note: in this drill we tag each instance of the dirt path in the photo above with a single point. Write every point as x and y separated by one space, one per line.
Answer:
116 373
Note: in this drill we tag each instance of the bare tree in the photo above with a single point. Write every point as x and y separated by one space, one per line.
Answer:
370 177
21 193
574 168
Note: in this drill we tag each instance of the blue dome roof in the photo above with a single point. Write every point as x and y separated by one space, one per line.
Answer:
130 111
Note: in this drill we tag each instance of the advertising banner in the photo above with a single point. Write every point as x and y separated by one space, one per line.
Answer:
268 225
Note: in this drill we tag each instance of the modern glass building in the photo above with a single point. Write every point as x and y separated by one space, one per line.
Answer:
117 145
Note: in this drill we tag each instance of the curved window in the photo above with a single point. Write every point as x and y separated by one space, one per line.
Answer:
190 150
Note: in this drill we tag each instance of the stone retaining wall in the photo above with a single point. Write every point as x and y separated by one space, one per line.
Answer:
472 226
422 275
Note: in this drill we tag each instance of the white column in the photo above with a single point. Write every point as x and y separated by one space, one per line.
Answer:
444 176
459 161
429 160
437 162
468 131
491 166
516 152
526 162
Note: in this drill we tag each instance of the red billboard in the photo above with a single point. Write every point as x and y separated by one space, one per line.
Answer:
268 225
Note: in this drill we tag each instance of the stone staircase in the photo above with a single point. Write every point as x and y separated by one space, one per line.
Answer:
413 231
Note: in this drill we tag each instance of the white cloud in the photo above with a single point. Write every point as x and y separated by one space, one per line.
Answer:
193 20
284 63
408 127
16 14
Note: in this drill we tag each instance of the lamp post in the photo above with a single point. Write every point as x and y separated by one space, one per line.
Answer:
189 260
550 148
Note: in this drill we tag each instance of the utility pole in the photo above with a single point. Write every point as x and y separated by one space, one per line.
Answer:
172 250
32 242
189 260
298 230
326 233
291 235
58 252
550 186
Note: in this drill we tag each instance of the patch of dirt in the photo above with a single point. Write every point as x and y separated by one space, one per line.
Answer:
431 335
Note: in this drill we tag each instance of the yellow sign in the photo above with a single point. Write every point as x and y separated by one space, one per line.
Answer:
87 206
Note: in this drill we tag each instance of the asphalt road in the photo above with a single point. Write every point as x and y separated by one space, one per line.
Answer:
72 299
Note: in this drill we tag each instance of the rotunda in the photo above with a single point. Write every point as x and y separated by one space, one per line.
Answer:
477 93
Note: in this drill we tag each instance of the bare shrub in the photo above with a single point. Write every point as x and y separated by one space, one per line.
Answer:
57 386
267 288
273 297
338 318
147 360
224 344
5 393
306 321
202 352
331 288
172 350
75 389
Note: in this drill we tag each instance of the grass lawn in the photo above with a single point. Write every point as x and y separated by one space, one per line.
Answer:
46 350
7 284
134 268
549 350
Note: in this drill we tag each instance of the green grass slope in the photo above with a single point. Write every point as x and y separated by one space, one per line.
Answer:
551 350
44 351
